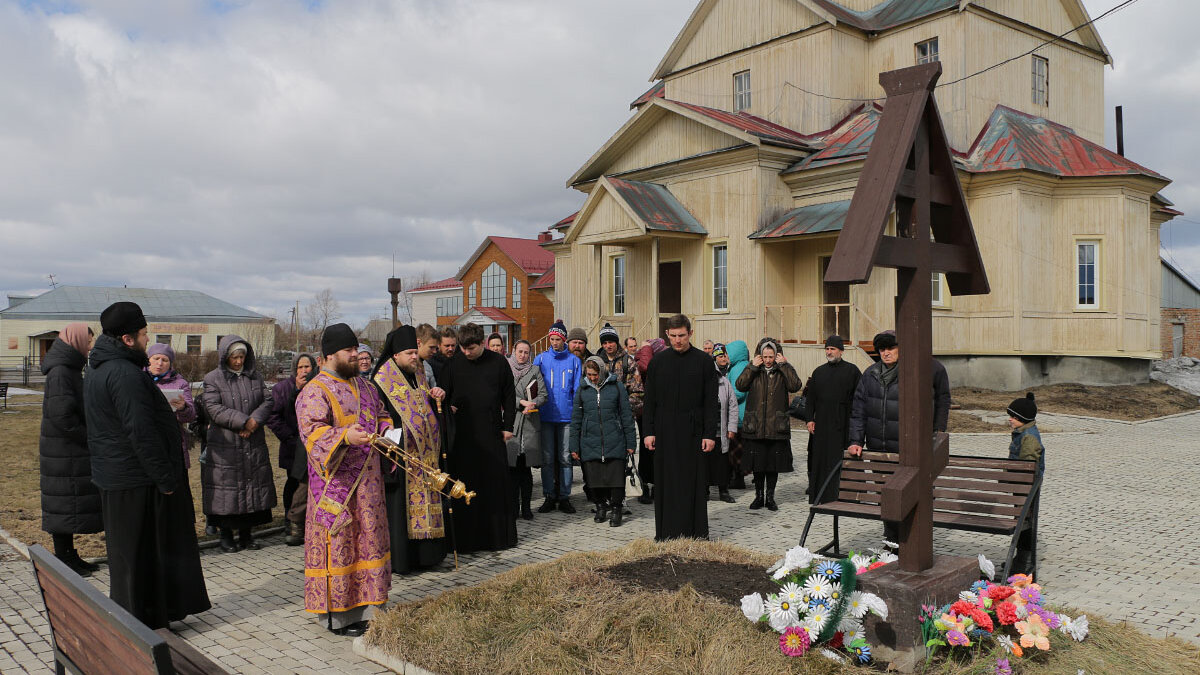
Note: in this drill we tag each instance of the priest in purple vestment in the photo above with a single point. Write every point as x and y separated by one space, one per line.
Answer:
347 559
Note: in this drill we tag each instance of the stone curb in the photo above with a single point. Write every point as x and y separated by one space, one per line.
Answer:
377 655
23 550
17 545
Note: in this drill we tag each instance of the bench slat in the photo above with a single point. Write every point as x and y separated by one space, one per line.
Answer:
974 523
859 486
94 646
983 474
876 467
1019 489
186 659
869 497
1026 465
975 507
974 495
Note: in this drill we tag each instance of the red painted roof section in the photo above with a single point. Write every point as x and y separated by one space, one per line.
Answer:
565 222
657 207
1014 140
657 91
756 126
847 141
544 281
438 285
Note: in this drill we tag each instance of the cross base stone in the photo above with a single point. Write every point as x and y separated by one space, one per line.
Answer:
897 641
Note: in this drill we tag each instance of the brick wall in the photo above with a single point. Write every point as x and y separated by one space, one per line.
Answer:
536 312
1190 318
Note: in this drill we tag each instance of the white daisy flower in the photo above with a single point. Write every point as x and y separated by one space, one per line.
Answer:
968 596
813 630
782 611
860 560
849 623
776 566
855 606
890 544
987 567
876 605
818 616
1076 628
1005 642
818 586
753 607
832 655
779 623
794 594
888 557
853 633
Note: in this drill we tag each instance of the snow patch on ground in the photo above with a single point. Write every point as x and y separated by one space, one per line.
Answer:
1182 373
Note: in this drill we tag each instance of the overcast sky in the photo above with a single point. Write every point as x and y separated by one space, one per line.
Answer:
263 150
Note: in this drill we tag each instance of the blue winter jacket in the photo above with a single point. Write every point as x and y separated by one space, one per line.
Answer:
739 358
562 372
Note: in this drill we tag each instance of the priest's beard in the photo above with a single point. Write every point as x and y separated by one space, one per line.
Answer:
833 359
345 369
409 368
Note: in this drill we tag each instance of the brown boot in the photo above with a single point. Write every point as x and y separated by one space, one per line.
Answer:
295 534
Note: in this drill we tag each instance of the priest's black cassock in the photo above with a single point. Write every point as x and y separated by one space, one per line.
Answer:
828 398
680 411
483 393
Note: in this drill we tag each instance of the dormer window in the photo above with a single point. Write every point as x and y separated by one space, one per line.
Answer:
927 51
1041 81
741 91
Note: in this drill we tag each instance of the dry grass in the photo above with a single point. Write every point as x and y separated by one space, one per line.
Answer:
20 492
566 617
1120 402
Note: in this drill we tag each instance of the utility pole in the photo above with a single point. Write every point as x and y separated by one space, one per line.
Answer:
296 325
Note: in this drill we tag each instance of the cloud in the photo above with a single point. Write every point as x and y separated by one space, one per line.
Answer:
261 151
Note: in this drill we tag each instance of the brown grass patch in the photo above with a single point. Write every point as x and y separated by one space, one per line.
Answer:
1127 402
570 616
20 478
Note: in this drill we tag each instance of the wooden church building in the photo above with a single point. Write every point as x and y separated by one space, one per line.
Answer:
724 193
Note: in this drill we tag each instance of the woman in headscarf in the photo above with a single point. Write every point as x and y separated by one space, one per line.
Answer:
70 502
602 436
766 428
525 447
645 459
495 342
177 390
292 456
237 480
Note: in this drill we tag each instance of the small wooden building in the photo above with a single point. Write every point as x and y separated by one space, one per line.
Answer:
1180 314
724 193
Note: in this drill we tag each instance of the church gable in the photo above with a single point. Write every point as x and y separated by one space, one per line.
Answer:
671 138
719 27
1056 17
604 220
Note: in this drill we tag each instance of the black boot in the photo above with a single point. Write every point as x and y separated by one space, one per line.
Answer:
770 503
295 534
647 496
228 545
618 515
758 496
601 512
726 497
549 505
246 540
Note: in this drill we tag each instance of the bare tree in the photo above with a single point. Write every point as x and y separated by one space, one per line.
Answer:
322 311
410 282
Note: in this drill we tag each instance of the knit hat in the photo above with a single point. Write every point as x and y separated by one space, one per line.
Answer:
559 329
337 337
836 342
159 348
719 350
237 347
885 340
1023 409
365 348
122 318
609 334
577 334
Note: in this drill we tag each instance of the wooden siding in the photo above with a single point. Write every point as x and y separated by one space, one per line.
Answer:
733 25
606 220
1049 15
673 138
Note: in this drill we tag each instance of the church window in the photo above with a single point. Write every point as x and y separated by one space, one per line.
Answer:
741 91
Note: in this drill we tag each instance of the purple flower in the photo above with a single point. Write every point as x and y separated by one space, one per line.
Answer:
1002 667
1030 595
957 638
1049 617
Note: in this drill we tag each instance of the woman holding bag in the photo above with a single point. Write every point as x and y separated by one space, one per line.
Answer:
525 447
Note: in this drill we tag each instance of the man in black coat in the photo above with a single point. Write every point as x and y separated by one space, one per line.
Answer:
679 424
828 398
134 440
875 415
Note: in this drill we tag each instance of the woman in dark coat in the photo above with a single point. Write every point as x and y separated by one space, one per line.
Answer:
525 447
70 502
766 428
601 436
292 455
237 479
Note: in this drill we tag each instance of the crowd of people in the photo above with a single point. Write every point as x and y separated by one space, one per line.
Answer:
662 418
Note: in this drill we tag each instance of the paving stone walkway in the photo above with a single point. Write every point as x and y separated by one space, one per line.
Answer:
1118 539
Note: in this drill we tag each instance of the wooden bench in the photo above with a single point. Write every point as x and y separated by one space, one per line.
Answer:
974 494
92 634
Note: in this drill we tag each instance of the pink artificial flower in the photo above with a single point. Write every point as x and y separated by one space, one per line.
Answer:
794 641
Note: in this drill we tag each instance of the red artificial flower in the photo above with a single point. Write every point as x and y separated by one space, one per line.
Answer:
835 642
876 565
962 608
998 593
982 620
1006 612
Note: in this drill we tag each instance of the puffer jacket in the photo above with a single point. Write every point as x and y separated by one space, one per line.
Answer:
602 422
766 416
875 414
133 436
237 477
727 402
70 503
562 373
739 358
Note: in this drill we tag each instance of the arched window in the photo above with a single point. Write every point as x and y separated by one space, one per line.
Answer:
495 289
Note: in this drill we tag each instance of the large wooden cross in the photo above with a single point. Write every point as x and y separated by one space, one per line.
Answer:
909 169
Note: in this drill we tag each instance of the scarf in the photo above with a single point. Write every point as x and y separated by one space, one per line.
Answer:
519 370
76 335
888 375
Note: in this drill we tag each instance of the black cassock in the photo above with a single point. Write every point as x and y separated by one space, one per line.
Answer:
482 391
680 411
828 398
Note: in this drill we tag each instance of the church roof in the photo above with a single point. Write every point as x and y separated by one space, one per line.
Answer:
526 253
812 219
657 90
544 281
755 126
656 207
887 14
443 285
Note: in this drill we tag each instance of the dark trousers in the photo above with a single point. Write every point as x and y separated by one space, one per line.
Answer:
64 545
522 484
